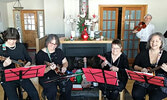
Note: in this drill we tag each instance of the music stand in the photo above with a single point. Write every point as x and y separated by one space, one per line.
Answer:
145 77
96 75
24 73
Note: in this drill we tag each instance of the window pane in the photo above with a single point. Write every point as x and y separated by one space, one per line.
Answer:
41 29
108 34
127 14
29 27
32 15
125 44
41 23
133 14
109 25
25 15
132 25
126 25
113 24
138 14
104 14
126 35
113 14
26 27
29 21
25 21
113 34
33 27
104 24
40 17
109 14
33 21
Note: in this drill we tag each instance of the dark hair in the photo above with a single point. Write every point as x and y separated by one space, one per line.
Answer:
50 37
161 38
11 33
117 41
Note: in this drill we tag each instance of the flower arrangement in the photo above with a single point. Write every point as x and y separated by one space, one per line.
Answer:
82 18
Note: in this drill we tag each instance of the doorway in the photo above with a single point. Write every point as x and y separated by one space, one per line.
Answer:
118 21
30 24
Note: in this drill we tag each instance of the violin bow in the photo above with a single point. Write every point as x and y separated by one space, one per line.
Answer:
104 59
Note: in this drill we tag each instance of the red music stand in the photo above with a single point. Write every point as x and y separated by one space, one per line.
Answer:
97 75
144 77
24 73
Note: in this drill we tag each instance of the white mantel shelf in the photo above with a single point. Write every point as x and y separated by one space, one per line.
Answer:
82 41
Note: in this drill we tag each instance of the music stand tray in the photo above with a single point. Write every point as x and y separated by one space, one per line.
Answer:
24 73
96 75
145 77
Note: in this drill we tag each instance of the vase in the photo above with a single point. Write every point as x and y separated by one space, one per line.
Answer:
73 34
85 37
92 35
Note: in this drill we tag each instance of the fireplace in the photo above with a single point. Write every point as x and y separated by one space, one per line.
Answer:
75 51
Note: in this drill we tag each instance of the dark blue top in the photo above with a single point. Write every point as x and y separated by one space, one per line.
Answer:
56 57
19 53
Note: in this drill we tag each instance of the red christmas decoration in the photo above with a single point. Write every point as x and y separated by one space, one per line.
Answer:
85 35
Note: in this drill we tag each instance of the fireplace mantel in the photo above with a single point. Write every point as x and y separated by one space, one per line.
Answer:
81 42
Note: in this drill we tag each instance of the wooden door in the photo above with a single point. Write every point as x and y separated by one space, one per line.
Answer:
108 22
118 21
132 16
29 27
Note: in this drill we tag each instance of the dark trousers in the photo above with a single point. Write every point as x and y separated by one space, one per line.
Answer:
50 89
154 92
10 89
111 91
142 46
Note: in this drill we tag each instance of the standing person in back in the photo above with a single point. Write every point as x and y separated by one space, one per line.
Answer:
144 33
13 50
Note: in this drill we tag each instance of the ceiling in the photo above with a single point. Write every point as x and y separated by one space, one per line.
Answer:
7 0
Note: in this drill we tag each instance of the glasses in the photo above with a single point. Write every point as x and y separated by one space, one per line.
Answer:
53 43
116 48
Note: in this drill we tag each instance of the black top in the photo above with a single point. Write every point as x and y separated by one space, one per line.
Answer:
19 53
121 63
56 57
143 60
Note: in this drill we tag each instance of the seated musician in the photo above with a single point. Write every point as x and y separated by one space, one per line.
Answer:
55 57
153 57
13 50
119 63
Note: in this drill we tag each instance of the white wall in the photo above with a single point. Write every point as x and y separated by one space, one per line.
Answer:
27 4
54 10
3 17
156 8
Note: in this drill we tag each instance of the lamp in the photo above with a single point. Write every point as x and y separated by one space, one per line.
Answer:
18 7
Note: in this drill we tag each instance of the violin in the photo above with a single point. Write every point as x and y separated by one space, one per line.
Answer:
57 69
140 26
18 63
